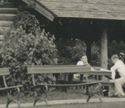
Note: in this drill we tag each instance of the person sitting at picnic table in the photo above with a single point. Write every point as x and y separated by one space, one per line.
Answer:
119 67
82 62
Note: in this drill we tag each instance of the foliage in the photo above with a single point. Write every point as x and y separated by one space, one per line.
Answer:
95 53
27 22
26 45
29 48
71 50
116 47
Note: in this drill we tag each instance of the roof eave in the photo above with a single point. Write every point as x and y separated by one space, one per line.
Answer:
41 9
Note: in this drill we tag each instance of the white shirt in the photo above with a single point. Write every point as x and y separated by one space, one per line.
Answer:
120 67
80 63
77 76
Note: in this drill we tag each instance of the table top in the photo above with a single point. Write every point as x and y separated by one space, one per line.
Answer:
50 69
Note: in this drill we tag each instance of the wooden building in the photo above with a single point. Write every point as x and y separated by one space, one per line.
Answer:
83 9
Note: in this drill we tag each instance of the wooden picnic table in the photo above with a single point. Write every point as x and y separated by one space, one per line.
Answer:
66 69
54 69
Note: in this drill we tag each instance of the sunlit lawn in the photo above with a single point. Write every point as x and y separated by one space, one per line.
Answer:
90 105
55 95
72 94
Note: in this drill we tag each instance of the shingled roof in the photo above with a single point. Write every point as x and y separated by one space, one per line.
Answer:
95 9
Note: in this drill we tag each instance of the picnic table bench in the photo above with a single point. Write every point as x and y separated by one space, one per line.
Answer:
4 73
66 69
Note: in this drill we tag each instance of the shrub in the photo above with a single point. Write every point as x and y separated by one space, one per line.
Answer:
95 53
26 45
71 50
27 22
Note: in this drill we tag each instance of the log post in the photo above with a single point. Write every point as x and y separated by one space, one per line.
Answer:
104 50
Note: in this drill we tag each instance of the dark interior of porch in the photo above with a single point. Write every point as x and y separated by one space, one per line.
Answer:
89 30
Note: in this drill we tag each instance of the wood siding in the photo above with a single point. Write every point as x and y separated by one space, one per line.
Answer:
99 9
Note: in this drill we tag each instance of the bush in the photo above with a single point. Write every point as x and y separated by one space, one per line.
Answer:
30 49
27 22
26 45
95 54
116 47
71 50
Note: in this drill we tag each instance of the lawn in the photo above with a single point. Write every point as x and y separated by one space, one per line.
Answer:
70 94
90 105
55 95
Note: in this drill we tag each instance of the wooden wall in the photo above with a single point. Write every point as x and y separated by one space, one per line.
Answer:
100 9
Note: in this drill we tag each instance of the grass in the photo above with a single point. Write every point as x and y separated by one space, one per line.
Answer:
72 94
55 95
90 105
